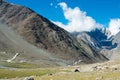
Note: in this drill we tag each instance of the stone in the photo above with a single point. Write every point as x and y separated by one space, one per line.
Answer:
29 78
76 70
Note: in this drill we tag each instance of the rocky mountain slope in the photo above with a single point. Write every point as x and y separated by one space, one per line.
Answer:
98 38
36 32
102 41
114 53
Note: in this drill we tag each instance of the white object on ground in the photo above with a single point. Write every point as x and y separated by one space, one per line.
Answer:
14 57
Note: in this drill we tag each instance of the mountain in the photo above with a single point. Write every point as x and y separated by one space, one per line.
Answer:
101 41
114 53
39 40
98 38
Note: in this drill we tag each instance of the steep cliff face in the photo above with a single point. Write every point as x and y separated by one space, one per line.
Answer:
114 53
98 39
43 34
102 41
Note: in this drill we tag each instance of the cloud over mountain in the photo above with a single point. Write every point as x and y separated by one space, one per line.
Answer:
77 20
114 26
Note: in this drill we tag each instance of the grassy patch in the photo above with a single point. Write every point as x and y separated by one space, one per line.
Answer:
13 73
18 65
82 76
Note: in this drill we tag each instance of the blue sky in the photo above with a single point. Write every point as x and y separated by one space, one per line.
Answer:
102 11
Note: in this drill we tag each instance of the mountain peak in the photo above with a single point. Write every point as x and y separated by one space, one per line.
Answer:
43 34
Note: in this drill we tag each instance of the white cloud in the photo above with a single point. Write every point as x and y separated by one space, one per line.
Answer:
56 7
51 4
77 20
114 26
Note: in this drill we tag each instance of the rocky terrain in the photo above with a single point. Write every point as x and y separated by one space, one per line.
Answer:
37 39
114 53
33 48
98 38
102 41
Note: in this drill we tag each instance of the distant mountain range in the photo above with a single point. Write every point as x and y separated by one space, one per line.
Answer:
102 41
40 41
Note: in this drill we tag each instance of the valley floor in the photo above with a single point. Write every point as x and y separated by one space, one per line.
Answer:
99 71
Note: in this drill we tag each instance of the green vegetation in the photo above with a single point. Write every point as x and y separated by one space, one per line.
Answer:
58 74
82 76
18 65
105 71
13 73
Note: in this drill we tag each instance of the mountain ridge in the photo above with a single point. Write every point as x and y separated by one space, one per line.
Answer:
102 41
45 35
